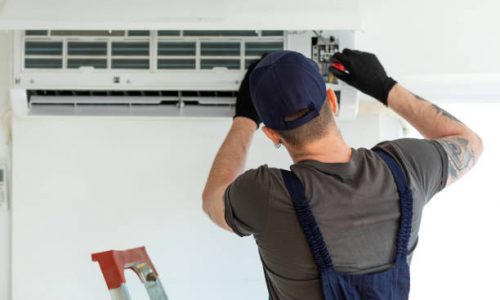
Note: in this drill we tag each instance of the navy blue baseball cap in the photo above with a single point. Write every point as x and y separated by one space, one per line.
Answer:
283 83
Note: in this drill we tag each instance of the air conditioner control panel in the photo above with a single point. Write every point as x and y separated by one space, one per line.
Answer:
322 49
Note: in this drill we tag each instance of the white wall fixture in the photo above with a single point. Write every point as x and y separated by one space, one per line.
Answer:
184 64
193 73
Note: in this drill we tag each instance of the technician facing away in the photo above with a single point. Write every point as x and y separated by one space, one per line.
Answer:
344 223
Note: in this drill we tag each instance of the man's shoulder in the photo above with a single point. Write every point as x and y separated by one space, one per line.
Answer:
246 200
261 174
412 151
409 144
424 160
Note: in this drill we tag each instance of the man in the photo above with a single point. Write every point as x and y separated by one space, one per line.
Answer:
351 192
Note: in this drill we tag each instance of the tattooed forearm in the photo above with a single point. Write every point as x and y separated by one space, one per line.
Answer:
439 110
445 113
461 157
462 146
419 98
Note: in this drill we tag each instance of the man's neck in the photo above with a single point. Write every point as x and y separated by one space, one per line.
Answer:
328 149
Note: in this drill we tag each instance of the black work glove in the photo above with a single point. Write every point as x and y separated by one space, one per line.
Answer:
244 104
365 72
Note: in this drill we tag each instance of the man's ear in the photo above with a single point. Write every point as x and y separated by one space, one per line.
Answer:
332 98
272 135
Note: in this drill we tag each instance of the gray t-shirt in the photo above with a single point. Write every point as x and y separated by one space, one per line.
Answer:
356 206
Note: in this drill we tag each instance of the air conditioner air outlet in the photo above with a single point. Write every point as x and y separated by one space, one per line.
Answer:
190 103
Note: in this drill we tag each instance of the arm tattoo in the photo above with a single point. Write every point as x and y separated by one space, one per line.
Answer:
439 110
461 157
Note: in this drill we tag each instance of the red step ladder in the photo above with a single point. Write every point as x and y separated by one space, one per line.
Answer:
113 264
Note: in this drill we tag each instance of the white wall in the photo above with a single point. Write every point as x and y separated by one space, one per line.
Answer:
5 55
83 185
443 50
457 255
429 37
5 67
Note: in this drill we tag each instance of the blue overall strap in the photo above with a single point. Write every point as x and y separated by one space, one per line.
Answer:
405 202
307 221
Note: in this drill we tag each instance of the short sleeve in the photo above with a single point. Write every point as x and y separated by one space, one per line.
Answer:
426 160
246 202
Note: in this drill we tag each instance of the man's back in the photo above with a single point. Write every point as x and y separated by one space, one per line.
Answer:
351 192
355 204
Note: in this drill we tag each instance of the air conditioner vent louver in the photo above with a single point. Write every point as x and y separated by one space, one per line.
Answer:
259 48
219 33
128 50
138 33
177 49
36 32
43 63
272 33
177 64
131 93
159 102
169 33
43 48
220 63
43 55
87 54
130 55
93 33
220 49
87 48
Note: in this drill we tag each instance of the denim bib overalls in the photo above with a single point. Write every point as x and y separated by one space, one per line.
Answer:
391 284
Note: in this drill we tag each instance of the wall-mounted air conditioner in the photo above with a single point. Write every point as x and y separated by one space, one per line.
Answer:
145 58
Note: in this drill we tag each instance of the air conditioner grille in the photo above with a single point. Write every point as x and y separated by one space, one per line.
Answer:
220 49
272 33
43 63
89 33
177 64
94 63
177 49
259 48
169 33
126 50
36 32
220 63
44 48
130 64
130 49
219 33
131 33
134 102
161 103
138 33
133 93
87 48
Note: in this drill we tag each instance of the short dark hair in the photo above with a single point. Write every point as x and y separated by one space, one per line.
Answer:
310 131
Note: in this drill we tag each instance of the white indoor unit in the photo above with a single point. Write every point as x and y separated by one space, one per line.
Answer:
141 58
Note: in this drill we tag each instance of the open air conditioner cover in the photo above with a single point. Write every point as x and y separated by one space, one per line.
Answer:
186 14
